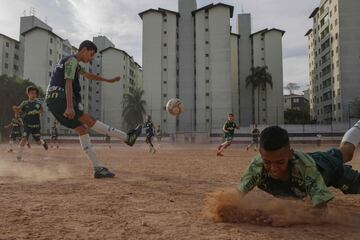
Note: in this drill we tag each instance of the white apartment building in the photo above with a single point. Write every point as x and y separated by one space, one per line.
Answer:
200 60
116 62
10 63
334 46
267 51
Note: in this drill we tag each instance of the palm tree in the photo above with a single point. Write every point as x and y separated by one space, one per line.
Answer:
134 107
258 78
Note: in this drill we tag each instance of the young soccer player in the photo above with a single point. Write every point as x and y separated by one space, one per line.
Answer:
108 141
228 128
64 102
30 111
283 172
54 136
255 133
15 134
149 131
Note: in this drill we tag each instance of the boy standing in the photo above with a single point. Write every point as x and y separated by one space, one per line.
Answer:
64 102
255 133
228 129
15 134
283 172
149 131
30 111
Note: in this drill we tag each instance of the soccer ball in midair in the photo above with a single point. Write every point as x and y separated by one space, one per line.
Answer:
175 106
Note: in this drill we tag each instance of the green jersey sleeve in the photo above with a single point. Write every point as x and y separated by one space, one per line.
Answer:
71 66
252 176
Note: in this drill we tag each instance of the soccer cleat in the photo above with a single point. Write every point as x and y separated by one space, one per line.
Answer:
18 158
28 145
132 135
10 151
247 148
103 172
219 154
46 147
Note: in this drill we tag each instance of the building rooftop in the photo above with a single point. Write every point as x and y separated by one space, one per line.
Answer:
207 7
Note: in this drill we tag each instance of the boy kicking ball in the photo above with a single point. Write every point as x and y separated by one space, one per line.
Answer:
64 102
228 128
283 172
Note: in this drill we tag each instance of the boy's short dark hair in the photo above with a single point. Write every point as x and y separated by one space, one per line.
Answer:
274 138
230 114
89 45
32 88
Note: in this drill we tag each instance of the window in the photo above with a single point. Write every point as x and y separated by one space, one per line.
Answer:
16 67
206 17
165 69
50 63
207 68
50 51
336 22
207 107
339 106
165 32
206 55
207 81
164 120
51 40
165 57
16 56
6 65
165 44
6 55
7 44
338 92
165 20
206 29
49 74
207 94
165 82
16 46
164 95
336 35
206 42
207 120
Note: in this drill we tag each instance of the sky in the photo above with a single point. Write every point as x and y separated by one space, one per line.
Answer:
78 20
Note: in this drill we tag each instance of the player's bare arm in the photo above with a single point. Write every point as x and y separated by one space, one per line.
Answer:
69 112
91 76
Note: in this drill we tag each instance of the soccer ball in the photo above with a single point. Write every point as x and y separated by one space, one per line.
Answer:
175 106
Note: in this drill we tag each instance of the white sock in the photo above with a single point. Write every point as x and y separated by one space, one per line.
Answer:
353 135
11 142
89 151
20 152
102 128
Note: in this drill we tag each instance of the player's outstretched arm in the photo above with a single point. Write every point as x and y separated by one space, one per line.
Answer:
95 77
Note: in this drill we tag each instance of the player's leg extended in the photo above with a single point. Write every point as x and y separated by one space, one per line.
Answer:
349 142
100 171
37 137
102 128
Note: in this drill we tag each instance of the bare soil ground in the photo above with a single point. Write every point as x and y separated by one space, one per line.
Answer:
53 195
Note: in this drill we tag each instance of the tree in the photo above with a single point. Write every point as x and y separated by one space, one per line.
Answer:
134 108
12 92
258 79
291 87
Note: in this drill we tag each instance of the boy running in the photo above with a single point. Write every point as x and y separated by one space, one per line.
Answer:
255 133
15 134
149 131
64 102
228 129
30 111
54 136
283 172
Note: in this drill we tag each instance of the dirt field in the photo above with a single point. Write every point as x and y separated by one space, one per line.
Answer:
52 195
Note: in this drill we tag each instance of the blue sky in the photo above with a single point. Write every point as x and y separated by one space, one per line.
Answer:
77 20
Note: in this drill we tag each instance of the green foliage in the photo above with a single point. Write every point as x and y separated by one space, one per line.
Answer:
294 116
12 92
134 108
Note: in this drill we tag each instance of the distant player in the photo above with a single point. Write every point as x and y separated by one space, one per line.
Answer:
284 172
64 102
108 141
228 129
15 134
255 134
149 131
30 111
54 136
